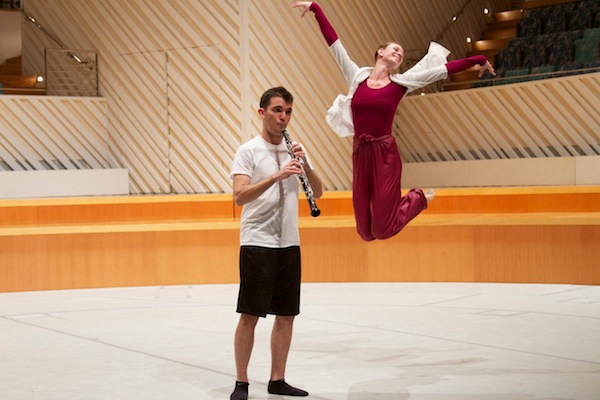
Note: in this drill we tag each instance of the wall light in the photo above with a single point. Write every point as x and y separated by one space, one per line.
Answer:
486 11
469 40
40 81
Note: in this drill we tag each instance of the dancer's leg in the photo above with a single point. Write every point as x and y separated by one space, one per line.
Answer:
362 184
390 210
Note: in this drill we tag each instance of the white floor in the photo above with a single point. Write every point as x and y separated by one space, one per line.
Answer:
388 341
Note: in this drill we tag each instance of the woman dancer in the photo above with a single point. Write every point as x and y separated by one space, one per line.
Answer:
367 112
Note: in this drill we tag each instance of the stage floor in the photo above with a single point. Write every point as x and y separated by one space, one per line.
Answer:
352 341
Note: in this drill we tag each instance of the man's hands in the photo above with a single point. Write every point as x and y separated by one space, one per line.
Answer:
292 168
295 166
299 152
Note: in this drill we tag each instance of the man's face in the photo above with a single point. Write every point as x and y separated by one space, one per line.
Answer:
276 116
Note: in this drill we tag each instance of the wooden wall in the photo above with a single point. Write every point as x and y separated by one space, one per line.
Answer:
181 81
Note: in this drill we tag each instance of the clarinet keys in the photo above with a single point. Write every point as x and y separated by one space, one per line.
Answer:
314 210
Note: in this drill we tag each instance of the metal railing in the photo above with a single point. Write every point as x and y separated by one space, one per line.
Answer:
486 82
68 72
71 72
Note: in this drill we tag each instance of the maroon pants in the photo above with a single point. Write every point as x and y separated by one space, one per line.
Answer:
380 209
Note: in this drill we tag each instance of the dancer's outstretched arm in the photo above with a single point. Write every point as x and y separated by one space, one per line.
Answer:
326 28
457 66
348 67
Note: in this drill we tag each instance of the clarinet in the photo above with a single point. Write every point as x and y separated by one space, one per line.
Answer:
314 210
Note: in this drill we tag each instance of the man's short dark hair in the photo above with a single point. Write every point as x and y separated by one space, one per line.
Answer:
278 91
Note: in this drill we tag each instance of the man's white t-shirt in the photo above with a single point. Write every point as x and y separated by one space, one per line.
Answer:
272 219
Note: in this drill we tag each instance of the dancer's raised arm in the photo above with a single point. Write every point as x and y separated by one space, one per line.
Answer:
348 67
326 29
466 63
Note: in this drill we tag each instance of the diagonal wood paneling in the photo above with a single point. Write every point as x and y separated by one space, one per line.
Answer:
145 146
133 40
200 146
549 118
40 133
182 81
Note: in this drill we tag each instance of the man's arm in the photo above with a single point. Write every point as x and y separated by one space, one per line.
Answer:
315 182
245 192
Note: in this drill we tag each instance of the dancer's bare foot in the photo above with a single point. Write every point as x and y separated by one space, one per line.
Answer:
429 195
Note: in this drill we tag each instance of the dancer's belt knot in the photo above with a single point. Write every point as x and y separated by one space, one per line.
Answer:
366 138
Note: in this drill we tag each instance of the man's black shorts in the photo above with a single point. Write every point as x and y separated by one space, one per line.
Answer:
269 281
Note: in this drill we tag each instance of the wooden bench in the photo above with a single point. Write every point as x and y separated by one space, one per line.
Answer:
541 234
473 206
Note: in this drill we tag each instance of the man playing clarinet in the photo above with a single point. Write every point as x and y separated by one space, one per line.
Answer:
265 183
